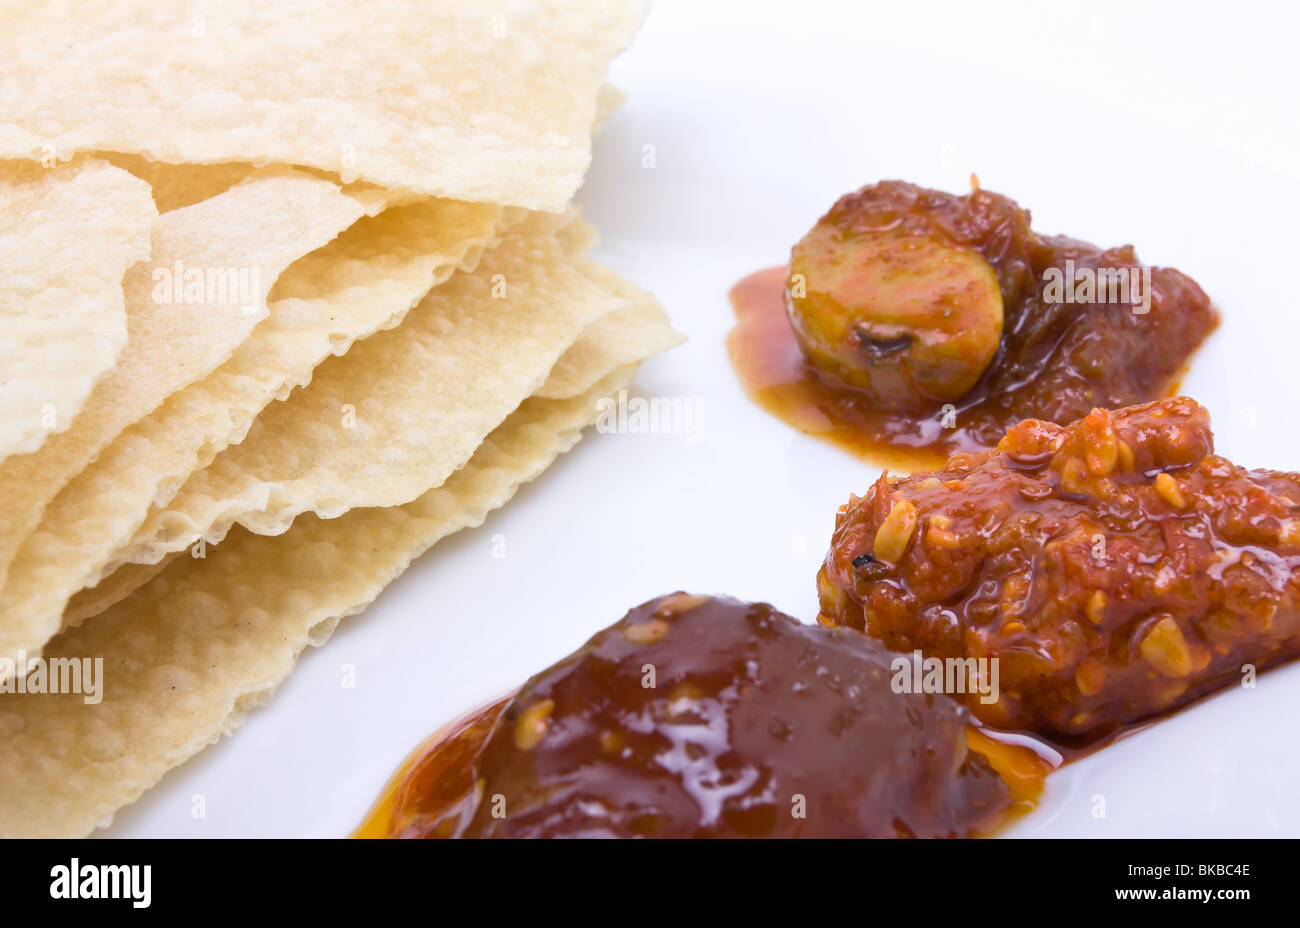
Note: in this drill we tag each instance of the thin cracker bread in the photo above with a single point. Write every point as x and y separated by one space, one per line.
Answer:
67 235
624 336
259 227
178 185
440 97
188 655
608 100
365 280
401 410
114 588
637 330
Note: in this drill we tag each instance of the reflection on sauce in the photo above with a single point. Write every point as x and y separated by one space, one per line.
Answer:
1024 768
751 708
435 782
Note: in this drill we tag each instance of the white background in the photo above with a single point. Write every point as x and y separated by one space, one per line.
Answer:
1172 126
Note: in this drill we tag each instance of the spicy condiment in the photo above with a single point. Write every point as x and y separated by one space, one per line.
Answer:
1116 567
912 323
702 716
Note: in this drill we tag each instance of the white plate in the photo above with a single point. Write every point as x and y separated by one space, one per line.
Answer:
1170 128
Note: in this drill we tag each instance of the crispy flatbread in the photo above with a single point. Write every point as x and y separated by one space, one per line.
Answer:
365 280
190 653
178 185
400 411
179 328
114 588
451 99
349 313
67 235
637 330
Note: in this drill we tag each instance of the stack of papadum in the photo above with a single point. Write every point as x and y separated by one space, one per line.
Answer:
289 292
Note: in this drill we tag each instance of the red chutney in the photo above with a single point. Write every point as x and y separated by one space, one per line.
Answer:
755 726
1055 358
1116 567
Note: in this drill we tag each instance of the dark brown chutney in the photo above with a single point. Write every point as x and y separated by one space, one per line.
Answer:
1116 567
697 716
918 323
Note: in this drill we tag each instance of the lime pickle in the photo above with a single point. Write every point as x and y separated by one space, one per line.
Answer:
927 323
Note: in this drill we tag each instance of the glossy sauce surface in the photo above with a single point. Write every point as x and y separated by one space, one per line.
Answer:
1056 360
756 726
